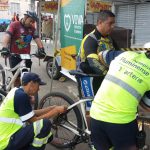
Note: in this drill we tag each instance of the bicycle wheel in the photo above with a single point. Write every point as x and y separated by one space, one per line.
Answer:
2 77
36 101
56 74
2 96
63 138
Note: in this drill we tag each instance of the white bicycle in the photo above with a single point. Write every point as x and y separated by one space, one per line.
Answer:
7 81
71 128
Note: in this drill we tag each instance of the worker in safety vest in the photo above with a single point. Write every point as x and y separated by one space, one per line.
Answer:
22 128
96 41
114 109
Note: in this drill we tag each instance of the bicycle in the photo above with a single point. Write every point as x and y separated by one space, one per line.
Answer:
72 124
57 68
71 128
6 82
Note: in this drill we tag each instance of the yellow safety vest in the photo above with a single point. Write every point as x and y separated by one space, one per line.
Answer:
103 44
125 83
10 122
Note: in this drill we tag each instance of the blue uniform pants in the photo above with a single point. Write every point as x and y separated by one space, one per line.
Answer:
119 136
22 139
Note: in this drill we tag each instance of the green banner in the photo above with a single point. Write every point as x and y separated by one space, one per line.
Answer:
72 21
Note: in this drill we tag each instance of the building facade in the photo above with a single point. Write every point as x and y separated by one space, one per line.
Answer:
134 15
9 7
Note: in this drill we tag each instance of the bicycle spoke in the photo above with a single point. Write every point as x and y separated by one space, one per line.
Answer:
64 135
64 131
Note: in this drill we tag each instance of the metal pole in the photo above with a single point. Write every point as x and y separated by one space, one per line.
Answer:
55 42
39 15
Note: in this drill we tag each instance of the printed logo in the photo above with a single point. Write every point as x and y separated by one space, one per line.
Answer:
87 89
67 22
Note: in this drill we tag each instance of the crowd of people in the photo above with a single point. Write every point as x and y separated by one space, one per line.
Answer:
113 113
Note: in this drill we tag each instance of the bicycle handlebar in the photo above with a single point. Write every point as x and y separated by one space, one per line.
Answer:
24 56
18 55
30 55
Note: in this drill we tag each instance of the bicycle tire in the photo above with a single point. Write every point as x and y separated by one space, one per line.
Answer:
56 98
2 96
2 77
36 101
56 74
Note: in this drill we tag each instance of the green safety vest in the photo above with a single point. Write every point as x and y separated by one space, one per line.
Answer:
10 122
122 89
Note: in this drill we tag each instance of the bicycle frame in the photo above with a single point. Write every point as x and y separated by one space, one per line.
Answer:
86 95
86 130
19 67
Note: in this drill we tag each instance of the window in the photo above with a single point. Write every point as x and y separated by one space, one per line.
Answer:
15 7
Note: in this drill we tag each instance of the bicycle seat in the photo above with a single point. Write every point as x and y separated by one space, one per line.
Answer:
82 74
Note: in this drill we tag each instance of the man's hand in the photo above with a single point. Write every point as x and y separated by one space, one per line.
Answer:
41 53
5 52
61 109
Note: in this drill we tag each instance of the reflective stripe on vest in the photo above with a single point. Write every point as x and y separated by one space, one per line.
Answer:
124 85
39 142
37 127
92 35
104 53
11 120
93 56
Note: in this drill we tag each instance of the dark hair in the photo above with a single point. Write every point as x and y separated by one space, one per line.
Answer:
104 14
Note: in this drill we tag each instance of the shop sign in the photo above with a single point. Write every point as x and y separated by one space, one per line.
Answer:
97 6
3 1
49 7
3 4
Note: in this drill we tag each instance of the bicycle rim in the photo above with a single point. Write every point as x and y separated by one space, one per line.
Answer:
2 96
63 138
56 71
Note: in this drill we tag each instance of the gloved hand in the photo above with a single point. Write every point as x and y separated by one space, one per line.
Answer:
5 52
40 53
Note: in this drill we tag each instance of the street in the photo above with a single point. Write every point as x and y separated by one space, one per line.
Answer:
68 87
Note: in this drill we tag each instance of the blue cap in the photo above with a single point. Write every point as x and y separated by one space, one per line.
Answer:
27 77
